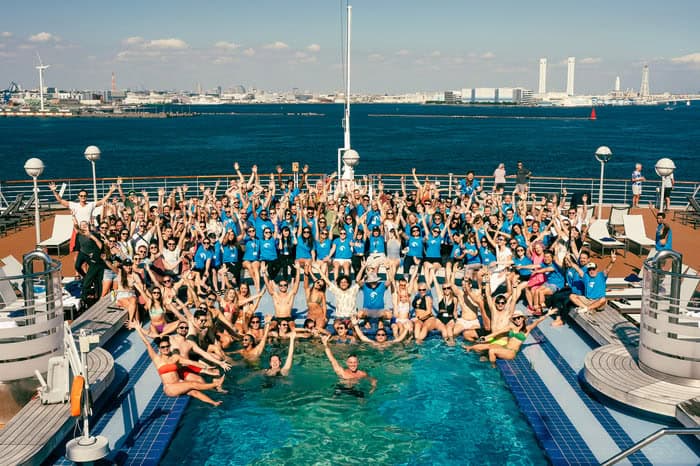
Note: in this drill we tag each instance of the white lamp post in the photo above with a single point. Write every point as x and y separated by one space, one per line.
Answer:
34 168
92 153
603 154
664 168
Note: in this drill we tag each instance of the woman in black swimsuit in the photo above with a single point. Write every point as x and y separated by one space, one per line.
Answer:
424 321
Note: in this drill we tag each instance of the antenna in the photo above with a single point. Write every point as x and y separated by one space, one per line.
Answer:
41 69
114 83
350 158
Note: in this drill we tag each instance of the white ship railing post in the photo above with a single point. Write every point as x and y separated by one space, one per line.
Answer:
603 154
34 168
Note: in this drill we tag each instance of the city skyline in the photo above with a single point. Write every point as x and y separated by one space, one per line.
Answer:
397 46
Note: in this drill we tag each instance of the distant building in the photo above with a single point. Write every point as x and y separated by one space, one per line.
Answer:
504 95
467 95
543 77
484 95
523 96
450 97
570 71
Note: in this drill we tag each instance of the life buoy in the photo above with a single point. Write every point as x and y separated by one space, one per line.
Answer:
76 395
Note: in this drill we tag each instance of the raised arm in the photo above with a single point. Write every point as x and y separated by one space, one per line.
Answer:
52 188
290 355
329 354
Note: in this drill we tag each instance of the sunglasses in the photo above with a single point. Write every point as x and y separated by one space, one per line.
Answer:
255 321
164 346
500 302
284 284
422 289
182 328
381 334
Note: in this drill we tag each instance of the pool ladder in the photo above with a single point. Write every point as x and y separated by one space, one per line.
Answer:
650 439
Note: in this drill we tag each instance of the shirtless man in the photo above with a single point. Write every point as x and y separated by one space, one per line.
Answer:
381 341
276 368
251 351
282 298
188 348
350 375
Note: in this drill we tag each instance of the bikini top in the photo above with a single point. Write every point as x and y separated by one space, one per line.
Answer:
519 335
166 368
446 309
156 311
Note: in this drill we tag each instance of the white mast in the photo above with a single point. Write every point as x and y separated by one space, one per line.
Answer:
350 158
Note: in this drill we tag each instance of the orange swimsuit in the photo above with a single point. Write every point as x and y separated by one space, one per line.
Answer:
166 368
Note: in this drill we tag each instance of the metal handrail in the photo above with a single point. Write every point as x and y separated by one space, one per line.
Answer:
650 439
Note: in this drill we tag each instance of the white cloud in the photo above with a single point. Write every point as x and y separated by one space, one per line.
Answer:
403 53
690 59
249 52
223 60
133 40
6 34
222 44
43 37
314 48
488 55
435 53
590 60
375 57
277 45
172 43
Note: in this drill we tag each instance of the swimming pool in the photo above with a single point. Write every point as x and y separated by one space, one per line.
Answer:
433 405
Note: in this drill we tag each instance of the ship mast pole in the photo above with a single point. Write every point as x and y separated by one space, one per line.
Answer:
347 82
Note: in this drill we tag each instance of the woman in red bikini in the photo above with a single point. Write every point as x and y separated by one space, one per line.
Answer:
170 366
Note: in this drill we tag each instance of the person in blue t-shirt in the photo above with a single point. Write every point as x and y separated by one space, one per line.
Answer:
554 281
268 253
342 253
373 291
664 237
230 258
414 254
594 281
251 255
322 251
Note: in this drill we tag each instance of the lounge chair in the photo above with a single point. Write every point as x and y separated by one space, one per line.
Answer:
691 214
598 236
9 217
636 234
617 215
61 234
12 268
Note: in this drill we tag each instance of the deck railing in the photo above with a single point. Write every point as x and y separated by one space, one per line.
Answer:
616 191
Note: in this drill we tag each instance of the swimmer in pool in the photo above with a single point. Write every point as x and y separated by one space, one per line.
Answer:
276 368
380 341
351 374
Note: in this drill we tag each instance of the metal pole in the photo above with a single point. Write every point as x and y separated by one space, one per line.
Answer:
662 202
600 190
94 181
37 221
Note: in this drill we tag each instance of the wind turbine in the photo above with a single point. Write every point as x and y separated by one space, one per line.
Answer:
41 69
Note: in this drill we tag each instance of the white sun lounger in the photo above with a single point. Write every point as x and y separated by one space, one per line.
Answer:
61 234
635 232
599 236
12 268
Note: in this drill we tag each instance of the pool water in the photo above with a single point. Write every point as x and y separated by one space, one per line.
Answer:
433 405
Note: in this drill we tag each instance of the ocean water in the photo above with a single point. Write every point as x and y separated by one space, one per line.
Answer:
433 405
389 138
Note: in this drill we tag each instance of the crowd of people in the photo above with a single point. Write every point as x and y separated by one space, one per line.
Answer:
194 264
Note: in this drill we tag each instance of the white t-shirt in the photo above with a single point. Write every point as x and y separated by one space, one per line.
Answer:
82 213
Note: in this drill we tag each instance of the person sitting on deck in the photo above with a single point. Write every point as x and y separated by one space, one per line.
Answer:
169 365
594 282
516 334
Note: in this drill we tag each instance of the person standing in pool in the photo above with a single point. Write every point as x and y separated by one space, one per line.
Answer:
351 374
276 368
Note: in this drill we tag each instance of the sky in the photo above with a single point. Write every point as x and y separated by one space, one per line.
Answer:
397 45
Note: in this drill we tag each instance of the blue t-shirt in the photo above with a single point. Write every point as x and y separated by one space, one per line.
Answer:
268 249
343 249
201 256
322 248
575 282
252 249
303 249
376 244
555 277
457 251
229 253
669 239
432 247
415 246
487 256
358 246
595 286
525 273
373 298
472 256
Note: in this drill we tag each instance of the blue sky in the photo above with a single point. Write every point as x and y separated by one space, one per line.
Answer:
398 46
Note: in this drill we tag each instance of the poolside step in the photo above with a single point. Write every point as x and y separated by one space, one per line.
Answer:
104 318
613 371
608 326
